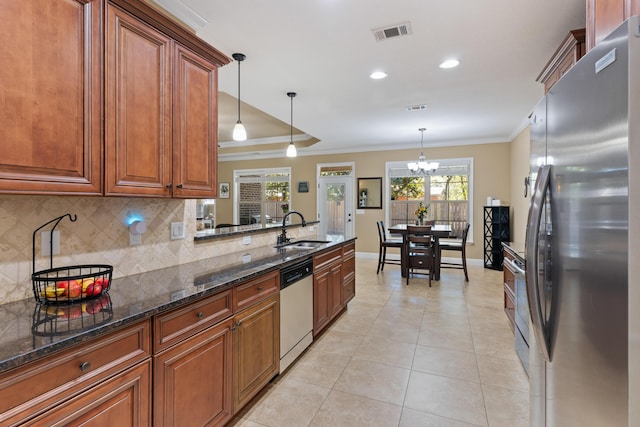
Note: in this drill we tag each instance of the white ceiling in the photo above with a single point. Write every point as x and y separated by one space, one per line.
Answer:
324 50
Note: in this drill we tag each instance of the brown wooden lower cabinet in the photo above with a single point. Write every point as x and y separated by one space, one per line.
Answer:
192 380
121 401
348 273
51 390
334 284
209 359
256 349
327 296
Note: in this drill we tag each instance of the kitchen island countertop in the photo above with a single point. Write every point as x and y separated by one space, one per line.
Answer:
31 330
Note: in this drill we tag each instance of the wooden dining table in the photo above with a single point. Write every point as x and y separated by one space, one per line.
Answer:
437 231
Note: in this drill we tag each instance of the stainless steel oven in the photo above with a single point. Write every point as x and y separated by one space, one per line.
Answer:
521 332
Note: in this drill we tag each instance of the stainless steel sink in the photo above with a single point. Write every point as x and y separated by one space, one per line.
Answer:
304 244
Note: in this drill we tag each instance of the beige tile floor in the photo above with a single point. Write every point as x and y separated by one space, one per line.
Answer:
405 356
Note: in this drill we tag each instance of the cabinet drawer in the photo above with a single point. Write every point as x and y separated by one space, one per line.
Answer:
349 250
42 384
326 259
348 266
256 290
122 400
179 324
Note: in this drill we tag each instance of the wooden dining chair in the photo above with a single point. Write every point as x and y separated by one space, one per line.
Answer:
458 245
420 250
384 244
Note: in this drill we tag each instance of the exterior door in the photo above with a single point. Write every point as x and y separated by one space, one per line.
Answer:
335 205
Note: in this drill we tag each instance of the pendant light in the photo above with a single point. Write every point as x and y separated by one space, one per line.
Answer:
291 149
422 167
239 132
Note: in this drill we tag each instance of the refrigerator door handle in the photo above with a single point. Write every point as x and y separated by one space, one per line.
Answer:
531 258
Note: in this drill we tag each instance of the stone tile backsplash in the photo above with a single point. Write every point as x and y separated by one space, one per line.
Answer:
100 235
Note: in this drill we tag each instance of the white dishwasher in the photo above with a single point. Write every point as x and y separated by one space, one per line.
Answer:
296 311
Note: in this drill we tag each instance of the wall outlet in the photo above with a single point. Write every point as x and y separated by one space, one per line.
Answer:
246 258
311 228
135 239
177 230
246 240
46 244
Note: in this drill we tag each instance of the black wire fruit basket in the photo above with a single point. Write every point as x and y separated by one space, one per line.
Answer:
64 285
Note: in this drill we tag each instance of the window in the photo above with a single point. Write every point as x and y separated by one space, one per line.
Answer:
447 193
263 195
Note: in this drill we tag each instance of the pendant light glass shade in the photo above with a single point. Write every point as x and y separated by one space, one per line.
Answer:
239 132
291 149
422 166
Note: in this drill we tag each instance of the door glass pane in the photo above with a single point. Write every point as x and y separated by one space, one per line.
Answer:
335 205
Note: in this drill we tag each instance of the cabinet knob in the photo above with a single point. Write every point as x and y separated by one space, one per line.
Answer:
170 185
200 315
238 324
259 288
85 366
179 185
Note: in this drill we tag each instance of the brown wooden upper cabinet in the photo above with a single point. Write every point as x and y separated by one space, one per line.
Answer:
568 53
159 108
604 16
50 137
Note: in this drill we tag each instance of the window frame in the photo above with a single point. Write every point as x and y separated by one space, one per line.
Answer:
397 169
262 177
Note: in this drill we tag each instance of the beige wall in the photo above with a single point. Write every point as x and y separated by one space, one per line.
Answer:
519 170
491 178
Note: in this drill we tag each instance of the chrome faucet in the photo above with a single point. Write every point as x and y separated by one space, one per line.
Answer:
282 238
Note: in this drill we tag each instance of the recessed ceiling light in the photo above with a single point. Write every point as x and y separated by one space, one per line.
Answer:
377 75
450 63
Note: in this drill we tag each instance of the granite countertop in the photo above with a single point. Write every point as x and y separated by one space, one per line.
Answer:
31 330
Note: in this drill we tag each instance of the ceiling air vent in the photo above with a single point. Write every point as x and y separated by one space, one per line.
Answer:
392 31
416 107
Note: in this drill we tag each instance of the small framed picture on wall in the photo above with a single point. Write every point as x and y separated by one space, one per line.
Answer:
225 190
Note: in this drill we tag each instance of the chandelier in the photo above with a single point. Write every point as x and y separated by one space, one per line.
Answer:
422 167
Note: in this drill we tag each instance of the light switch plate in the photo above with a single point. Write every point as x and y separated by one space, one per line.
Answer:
246 240
135 239
177 230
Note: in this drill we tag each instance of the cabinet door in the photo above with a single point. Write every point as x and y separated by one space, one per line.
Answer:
320 300
138 107
604 16
195 139
124 400
348 274
256 349
50 137
335 291
192 380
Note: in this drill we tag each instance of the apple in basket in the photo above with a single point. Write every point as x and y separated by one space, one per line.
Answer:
73 288
103 281
93 289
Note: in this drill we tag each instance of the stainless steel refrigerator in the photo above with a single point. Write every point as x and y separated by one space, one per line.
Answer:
583 241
